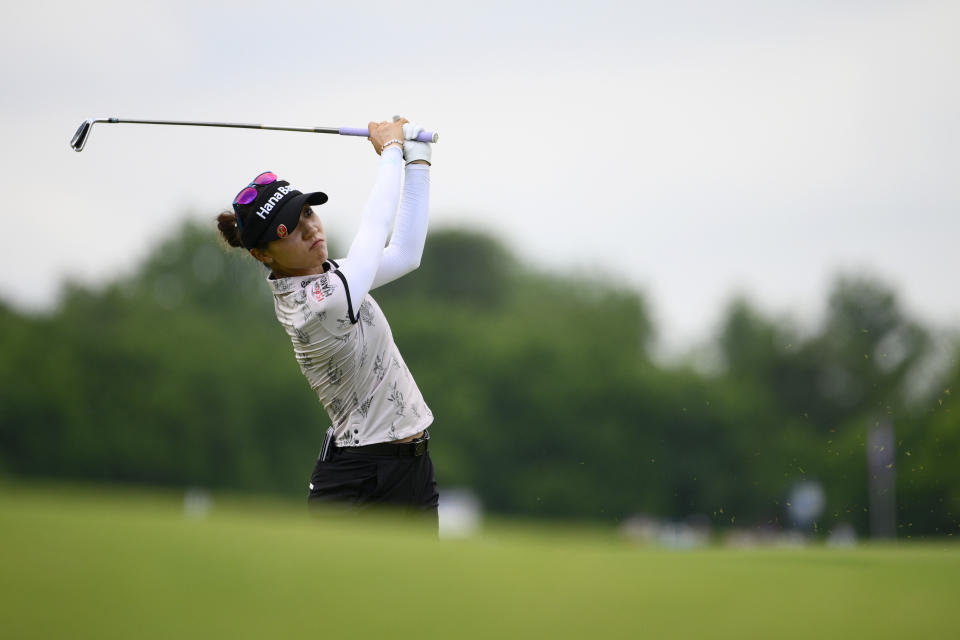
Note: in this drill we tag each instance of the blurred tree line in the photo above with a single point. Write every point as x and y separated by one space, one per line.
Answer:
546 397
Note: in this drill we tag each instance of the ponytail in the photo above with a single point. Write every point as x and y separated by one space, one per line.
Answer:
227 223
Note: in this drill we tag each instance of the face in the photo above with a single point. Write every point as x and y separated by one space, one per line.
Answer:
300 253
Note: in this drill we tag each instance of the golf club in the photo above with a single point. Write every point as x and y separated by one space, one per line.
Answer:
80 138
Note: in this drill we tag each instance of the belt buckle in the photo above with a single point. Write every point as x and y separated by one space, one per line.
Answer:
420 447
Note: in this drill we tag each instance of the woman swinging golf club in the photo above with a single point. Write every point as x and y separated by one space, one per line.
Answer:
376 450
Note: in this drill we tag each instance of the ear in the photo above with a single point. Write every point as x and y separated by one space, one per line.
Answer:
261 255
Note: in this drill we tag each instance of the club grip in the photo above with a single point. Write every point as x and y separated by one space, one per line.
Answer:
424 136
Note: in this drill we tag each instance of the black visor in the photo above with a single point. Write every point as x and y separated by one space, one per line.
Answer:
274 214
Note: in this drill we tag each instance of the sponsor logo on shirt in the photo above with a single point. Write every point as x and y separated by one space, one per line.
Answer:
322 288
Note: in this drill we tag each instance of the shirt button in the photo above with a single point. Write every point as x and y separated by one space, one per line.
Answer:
356 442
356 430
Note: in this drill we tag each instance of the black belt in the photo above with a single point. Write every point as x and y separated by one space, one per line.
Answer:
416 447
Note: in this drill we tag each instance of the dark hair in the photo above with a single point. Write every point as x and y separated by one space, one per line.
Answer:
227 223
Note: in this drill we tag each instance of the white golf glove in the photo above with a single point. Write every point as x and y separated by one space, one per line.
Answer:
413 150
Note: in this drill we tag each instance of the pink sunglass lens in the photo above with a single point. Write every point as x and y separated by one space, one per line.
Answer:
247 196
265 178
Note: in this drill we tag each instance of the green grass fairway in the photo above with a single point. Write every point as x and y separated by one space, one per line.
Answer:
79 563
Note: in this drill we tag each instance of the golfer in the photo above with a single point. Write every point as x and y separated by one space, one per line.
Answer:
376 451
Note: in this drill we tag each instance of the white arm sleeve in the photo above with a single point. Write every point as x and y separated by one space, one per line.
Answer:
360 266
405 250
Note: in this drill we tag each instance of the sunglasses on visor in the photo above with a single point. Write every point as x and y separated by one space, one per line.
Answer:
249 193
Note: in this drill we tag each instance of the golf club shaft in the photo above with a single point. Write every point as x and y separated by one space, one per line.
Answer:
425 136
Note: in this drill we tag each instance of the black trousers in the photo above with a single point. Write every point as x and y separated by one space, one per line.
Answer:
363 482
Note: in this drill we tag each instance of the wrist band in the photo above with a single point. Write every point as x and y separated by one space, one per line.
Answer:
389 142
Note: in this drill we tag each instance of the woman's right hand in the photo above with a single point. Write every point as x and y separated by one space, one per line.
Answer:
383 132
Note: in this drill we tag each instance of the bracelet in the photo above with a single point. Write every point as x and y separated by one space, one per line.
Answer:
389 142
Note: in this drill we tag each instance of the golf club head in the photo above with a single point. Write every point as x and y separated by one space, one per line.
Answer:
80 137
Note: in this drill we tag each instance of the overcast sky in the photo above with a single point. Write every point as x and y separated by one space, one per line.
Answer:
693 150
